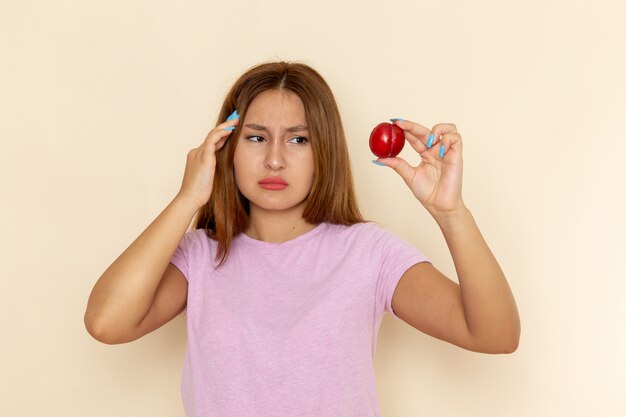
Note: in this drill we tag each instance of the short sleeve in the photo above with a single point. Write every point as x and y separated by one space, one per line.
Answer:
181 256
393 257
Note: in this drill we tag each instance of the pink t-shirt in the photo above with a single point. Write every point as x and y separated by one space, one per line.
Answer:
288 329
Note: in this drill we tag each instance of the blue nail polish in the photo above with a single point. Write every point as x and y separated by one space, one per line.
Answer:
232 116
229 128
378 163
397 118
431 138
441 151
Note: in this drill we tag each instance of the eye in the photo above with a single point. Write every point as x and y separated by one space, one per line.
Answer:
250 138
304 140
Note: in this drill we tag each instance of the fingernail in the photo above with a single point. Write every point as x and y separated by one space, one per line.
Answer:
396 118
430 140
441 151
229 128
378 163
233 116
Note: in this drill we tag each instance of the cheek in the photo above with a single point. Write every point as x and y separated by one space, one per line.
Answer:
307 175
243 169
240 158
310 164
238 168
244 156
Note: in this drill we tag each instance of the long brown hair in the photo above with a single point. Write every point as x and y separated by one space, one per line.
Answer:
332 197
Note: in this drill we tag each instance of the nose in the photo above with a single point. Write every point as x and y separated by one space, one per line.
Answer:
275 159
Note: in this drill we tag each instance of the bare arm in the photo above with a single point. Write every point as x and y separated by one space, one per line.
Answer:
139 292
490 310
479 313
124 293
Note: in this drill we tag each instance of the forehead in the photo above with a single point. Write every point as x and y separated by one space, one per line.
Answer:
276 104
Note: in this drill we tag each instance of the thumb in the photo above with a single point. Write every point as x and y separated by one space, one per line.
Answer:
399 165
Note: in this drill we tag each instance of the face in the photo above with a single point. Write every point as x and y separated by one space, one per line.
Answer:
274 142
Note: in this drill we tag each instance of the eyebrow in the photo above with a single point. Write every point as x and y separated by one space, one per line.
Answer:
298 128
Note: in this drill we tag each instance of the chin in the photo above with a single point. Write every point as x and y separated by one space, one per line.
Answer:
279 200
275 203
278 206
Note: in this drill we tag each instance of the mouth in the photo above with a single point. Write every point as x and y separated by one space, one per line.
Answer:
272 185
273 181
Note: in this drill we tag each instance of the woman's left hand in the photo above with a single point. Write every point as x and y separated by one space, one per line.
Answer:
436 181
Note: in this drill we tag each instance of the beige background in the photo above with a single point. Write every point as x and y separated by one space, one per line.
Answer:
101 101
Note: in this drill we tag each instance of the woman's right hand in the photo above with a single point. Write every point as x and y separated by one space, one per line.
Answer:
200 168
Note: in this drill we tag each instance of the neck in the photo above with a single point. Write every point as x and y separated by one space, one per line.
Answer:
275 227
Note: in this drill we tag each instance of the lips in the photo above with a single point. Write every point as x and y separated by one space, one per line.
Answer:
273 180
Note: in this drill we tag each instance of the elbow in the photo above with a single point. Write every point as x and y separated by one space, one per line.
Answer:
498 348
510 347
503 343
510 343
513 339
99 332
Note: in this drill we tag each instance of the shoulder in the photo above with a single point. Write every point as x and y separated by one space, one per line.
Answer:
367 229
382 240
365 233
356 228
197 239
195 234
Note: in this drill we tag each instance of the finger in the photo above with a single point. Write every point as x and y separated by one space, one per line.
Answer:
220 143
416 143
450 142
399 165
221 131
215 140
228 124
438 130
416 129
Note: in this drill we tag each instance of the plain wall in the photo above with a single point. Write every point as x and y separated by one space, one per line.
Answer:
101 101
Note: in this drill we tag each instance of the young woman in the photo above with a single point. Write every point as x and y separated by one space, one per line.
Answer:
284 283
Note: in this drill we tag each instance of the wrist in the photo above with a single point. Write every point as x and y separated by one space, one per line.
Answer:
188 202
447 218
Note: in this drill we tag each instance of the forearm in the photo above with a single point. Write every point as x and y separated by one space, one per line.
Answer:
123 294
490 310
